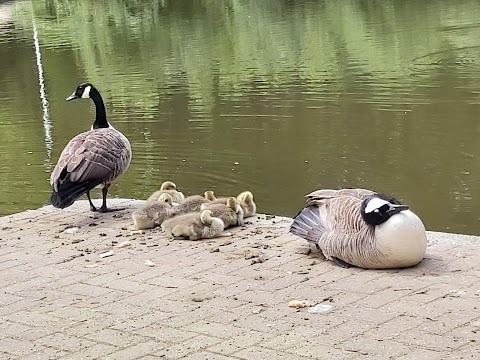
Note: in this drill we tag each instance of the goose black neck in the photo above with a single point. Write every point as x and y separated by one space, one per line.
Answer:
101 114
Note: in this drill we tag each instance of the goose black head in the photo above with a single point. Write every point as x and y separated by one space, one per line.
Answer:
82 92
376 209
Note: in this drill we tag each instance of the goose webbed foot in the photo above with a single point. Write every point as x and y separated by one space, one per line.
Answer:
104 209
342 263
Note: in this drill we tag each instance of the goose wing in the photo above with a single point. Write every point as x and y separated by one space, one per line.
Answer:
329 219
323 194
98 155
347 237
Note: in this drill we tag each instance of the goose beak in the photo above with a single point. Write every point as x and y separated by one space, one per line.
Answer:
72 97
395 209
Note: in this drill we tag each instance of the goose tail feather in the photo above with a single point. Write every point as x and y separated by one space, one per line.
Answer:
307 224
68 192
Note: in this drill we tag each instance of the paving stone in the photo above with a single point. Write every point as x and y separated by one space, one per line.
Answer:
47 354
97 351
184 319
135 351
36 319
89 326
65 342
188 347
257 353
214 329
166 334
446 323
469 351
240 341
18 347
9 329
373 348
205 355
115 337
424 354
292 338
431 341
141 321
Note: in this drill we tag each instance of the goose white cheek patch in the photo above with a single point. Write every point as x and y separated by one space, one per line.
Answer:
375 204
86 92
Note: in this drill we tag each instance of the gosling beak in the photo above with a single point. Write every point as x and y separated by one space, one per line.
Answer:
395 209
72 97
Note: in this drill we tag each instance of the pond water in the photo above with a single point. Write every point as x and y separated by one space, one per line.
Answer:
277 97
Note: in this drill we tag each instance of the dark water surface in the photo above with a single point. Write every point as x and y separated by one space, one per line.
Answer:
277 97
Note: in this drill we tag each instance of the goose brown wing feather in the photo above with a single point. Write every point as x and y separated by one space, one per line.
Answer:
325 213
319 195
97 154
343 213
347 235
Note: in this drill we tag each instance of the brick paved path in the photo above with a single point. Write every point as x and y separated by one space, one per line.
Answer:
225 298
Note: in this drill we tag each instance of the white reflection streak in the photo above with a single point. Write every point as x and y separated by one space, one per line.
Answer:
47 124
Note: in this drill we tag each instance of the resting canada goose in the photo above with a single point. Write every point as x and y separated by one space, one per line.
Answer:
245 199
152 213
91 158
230 213
168 187
357 227
190 204
194 226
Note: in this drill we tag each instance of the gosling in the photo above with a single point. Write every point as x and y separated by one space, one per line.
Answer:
168 187
210 195
194 226
190 204
152 213
245 199
231 213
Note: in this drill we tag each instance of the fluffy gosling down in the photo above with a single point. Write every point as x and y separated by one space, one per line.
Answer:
190 204
231 213
152 213
168 187
245 200
358 227
210 195
194 226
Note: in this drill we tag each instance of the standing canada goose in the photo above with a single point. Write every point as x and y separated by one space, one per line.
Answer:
168 187
194 226
231 213
152 213
91 158
245 199
357 227
190 204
